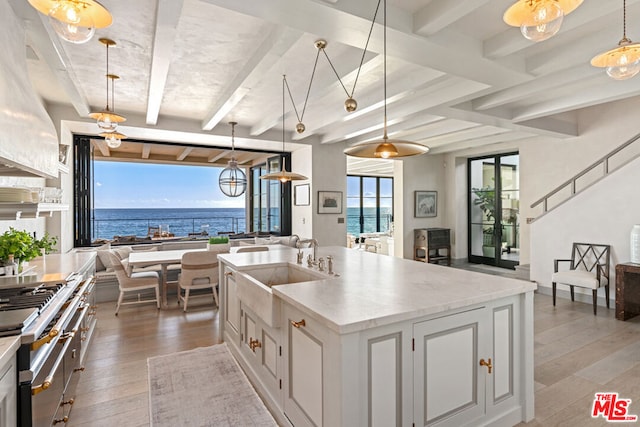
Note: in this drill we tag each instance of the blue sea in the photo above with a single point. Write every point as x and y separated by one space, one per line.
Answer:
108 223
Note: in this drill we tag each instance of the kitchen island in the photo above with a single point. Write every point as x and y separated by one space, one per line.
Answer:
385 341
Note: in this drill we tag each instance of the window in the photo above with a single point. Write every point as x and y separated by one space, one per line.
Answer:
369 204
270 200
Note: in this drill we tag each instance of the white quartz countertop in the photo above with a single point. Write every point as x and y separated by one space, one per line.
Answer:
52 268
8 348
374 290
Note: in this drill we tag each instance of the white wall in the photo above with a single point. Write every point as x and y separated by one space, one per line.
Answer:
420 173
329 174
302 216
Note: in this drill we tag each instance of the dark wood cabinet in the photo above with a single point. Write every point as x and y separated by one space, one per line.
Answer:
432 245
627 291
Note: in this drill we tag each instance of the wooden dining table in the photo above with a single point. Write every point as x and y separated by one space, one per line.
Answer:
162 258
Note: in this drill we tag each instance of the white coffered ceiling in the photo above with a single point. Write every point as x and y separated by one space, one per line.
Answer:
458 76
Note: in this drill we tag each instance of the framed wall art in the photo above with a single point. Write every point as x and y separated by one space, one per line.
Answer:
426 204
329 202
301 195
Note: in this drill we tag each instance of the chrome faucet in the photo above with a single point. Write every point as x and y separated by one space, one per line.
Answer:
329 264
314 245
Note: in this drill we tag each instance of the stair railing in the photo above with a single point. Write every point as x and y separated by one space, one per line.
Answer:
602 163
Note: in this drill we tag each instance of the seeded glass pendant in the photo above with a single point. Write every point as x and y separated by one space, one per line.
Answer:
623 62
74 20
539 19
108 119
232 181
113 139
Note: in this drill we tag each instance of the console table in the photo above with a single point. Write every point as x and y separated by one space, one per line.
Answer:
428 242
627 291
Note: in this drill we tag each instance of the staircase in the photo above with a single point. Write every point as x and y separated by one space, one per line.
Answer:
595 172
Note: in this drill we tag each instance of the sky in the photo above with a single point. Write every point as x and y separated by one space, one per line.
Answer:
141 185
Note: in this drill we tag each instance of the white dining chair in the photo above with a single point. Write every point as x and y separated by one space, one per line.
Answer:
199 271
134 282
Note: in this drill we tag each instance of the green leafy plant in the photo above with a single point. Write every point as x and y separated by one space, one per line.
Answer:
486 201
23 246
218 240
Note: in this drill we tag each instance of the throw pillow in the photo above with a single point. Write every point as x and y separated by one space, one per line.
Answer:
122 252
267 241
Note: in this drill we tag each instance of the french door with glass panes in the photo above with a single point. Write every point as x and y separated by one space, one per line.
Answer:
270 199
494 200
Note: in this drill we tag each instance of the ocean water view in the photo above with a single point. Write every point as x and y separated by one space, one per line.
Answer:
108 223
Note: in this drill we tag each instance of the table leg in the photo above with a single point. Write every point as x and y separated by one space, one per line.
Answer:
164 303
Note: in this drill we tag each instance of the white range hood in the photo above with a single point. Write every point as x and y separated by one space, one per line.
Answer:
28 139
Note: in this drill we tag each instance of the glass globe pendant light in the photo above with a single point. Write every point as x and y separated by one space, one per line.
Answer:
107 119
232 181
386 148
74 20
623 62
539 19
113 139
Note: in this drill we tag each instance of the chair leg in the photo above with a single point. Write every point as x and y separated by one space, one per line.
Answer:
595 300
606 294
158 297
572 293
120 297
553 287
215 295
186 299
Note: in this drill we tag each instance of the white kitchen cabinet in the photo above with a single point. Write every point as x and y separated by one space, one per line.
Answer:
304 369
8 402
231 304
463 366
261 349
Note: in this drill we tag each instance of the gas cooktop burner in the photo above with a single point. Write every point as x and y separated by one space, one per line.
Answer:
27 297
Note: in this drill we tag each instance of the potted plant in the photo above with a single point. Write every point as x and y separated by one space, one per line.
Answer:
486 201
23 246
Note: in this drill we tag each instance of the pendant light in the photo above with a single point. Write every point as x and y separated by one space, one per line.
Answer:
107 119
113 139
283 175
623 62
232 181
386 148
539 19
74 20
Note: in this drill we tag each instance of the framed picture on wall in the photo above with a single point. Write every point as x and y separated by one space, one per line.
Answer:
426 204
329 202
301 195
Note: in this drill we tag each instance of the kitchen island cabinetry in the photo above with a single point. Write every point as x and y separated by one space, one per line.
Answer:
393 342
8 380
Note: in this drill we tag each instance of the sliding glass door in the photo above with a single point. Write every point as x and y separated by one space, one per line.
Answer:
270 200
494 220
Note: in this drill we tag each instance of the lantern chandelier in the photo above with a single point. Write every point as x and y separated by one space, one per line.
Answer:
539 19
283 175
385 148
107 119
232 181
74 20
623 62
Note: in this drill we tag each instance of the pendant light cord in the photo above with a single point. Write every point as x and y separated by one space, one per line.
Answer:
384 41
624 19
107 76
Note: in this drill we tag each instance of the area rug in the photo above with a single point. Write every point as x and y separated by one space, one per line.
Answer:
203 387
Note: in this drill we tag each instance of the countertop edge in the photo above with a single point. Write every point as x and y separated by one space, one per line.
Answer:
8 348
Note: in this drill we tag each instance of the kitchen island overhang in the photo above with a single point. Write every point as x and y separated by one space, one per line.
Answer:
384 308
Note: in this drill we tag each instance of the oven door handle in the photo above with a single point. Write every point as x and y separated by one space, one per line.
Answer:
59 326
48 381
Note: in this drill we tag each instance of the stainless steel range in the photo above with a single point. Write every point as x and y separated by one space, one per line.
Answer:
56 322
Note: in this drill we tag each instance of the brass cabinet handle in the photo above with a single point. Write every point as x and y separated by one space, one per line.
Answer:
64 419
67 402
298 324
80 369
229 273
486 363
253 344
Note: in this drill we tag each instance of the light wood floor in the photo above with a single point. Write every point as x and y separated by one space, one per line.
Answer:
576 355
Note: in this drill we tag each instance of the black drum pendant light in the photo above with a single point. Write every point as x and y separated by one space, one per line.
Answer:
233 181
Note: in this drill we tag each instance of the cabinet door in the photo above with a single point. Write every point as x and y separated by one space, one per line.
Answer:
8 404
303 403
232 304
449 387
261 348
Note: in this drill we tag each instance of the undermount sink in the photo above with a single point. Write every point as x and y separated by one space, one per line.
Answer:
254 287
